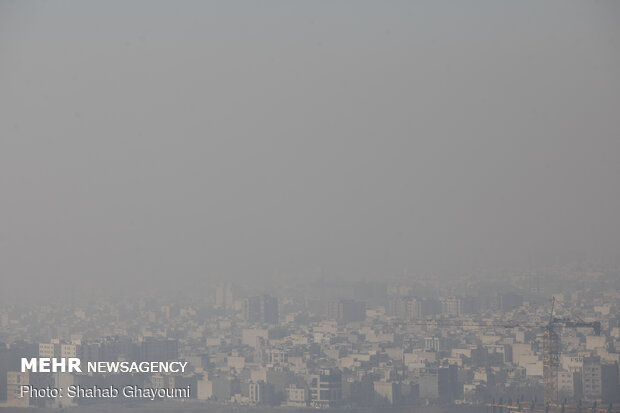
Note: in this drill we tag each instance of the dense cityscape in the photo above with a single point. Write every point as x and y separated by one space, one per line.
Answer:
406 341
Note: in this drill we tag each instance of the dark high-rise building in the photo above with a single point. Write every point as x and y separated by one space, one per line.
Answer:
510 301
251 309
8 362
115 349
610 383
261 309
269 309
426 307
159 350
397 307
447 382
90 352
346 310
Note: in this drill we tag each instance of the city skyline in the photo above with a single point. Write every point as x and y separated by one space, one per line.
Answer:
281 206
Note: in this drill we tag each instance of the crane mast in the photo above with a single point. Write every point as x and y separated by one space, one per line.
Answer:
551 344
551 351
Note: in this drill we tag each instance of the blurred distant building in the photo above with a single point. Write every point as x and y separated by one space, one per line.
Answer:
509 301
261 309
159 350
451 306
224 296
426 307
397 307
346 310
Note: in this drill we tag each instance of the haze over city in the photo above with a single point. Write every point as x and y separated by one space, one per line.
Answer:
282 206
151 142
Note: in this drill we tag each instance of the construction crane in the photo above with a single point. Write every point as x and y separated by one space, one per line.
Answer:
551 350
551 358
551 343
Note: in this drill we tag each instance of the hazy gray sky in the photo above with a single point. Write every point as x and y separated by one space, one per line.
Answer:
148 139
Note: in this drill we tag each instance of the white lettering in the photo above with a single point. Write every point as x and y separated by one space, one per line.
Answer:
29 365
74 365
44 364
